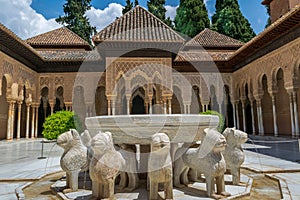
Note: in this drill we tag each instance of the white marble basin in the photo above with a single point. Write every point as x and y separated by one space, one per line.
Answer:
138 129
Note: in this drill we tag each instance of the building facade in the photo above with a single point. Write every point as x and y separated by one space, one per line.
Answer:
139 65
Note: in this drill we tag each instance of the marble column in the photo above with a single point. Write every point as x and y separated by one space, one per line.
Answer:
274 116
234 115
113 104
128 104
9 121
164 105
237 115
19 120
150 105
292 113
296 114
12 120
33 121
260 117
108 107
27 120
36 120
252 117
244 114
170 105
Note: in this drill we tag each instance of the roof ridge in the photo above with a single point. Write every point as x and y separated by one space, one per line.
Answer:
134 15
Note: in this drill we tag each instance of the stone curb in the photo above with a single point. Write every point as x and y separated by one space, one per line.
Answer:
284 190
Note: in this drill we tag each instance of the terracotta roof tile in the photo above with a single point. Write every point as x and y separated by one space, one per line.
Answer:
61 37
212 39
138 25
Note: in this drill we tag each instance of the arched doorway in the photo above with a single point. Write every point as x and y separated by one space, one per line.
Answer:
229 109
248 113
196 106
282 106
3 109
267 110
100 101
44 109
59 102
138 102
177 104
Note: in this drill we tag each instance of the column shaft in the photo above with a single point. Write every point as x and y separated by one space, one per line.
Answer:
108 108
27 120
252 117
237 116
274 116
244 115
292 114
19 120
296 114
32 122
234 115
8 134
170 105
36 120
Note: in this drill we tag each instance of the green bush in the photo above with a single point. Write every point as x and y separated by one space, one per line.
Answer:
221 125
59 123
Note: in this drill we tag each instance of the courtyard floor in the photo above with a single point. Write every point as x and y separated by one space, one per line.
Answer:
21 165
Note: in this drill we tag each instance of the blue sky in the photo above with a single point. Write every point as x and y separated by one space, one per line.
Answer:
31 17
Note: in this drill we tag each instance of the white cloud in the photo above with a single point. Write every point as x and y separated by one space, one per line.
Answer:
23 20
171 11
102 18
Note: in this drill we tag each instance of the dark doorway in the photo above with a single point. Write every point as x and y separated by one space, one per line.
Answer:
138 106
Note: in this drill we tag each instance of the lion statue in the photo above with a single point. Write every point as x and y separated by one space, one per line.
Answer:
105 165
207 159
74 158
160 166
234 154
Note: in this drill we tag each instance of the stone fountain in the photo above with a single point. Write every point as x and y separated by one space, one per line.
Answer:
162 133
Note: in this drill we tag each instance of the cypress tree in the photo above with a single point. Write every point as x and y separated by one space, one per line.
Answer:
157 8
191 17
229 20
128 7
76 20
136 2
269 13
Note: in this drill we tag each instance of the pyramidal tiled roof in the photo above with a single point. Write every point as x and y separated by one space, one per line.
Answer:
213 39
138 25
61 37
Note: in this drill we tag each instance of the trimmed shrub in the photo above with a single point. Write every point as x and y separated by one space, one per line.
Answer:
221 126
59 123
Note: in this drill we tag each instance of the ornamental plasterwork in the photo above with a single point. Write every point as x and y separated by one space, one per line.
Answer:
59 80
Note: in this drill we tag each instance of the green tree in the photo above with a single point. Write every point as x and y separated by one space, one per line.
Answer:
76 20
191 17
269 19
157 8
229 20
60 122
136 2
128 7
221 125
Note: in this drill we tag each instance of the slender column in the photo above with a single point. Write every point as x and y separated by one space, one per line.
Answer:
244 115
220 108
150 105
165 105
170 105
274 116
147 107
237 116
128 104
189 108
185 108
252 117
234 115
292 114
32 122
36 120
27 120
51 102
12 120
108 107
19 120
261 122
113 103
8 134
203 107
296 114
